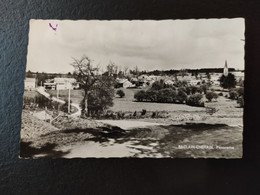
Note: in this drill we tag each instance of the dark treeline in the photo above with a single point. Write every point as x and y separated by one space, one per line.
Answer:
30 74
192 71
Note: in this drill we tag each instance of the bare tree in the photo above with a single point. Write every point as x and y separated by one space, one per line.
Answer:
125 70
91 81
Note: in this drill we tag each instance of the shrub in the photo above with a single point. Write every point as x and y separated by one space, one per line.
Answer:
194 89
43 102
204 87
151 95
120 93
240 91
233 94
188 90
166 95
158 85
210 95
64 107
215 95
200 90
143 112
140 96
240 101
195 100
181 96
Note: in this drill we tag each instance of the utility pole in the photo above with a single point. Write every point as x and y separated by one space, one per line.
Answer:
69 101
57 93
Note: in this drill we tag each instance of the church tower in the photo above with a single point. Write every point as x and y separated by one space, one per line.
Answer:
225 72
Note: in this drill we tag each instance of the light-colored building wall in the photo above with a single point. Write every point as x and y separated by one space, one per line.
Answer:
29 84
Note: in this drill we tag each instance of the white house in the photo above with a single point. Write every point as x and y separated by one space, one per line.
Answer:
65 83
168 82
239 75
29 84
125 83
195 81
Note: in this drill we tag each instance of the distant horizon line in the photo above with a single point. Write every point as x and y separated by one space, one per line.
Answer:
235 69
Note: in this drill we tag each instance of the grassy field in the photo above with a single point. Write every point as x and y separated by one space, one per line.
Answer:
127 103
185 126
30 94
227 110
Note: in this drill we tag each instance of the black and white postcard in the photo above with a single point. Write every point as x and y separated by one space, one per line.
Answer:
139 89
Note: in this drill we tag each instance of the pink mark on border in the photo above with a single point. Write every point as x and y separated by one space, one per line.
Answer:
53 27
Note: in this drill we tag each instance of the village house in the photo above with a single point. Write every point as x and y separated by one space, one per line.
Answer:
65 83
29 84
61 84
124 83
239 75
168 82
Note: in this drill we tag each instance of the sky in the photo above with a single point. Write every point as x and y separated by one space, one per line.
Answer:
147 44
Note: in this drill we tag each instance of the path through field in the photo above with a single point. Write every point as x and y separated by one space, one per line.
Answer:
44 93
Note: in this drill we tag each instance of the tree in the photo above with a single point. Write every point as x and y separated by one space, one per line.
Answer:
125 70
228 82
41 78
96 87
120 93
158 85
100 98
29 74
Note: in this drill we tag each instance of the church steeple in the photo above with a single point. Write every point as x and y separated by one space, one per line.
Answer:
225 72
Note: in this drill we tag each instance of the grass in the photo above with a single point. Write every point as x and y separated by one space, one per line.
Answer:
30 94
75 95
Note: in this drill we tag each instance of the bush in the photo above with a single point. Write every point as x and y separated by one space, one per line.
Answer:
194 89
140 96
210 95
64 107
120 93
181 96
188 90
195 100
233 94
143 112
200 90
158 85
166 95
43 102
151 95
204 87
240 91
240 101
